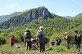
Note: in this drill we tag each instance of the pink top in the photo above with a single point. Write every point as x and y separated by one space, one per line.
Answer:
12 39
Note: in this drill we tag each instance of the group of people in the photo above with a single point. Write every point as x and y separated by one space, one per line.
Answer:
41 40
68 39
77 40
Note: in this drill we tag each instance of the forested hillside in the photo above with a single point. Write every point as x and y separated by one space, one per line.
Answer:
78 18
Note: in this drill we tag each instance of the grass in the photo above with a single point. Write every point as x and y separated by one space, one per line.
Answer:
6 49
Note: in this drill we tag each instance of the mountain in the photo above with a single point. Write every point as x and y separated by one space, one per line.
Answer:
68 17
41 13
5 17
38 16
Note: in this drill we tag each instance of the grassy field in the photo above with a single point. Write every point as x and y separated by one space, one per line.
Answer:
6 49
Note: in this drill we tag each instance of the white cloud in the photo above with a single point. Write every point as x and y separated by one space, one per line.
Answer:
12 5
76 1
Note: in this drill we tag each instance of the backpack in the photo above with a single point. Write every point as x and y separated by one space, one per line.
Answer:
40 35
46 40
28 35
59 40
77 38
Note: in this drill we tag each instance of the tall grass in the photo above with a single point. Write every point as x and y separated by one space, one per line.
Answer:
6 49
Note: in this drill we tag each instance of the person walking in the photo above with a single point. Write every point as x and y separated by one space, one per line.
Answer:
12 40
77 42
41 36
27 39
67 39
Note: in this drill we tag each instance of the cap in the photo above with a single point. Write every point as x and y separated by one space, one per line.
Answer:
40 27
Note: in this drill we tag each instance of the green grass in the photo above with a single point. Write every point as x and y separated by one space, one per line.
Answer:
6 49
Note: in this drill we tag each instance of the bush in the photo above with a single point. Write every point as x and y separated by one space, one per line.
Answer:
3 41
18 39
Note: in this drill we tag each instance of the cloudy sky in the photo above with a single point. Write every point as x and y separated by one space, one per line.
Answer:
59 7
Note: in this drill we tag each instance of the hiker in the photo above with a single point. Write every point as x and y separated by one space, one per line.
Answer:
41 36
77 42
67 39
81 35
34 43
52 42
12 40
27 39
37 42
58 41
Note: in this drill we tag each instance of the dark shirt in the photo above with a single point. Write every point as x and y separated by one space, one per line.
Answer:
77 38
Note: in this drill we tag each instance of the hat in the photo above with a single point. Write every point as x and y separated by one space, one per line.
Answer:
65 33
27 29
40 27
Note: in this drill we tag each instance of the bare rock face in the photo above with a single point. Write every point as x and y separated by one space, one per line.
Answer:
40 12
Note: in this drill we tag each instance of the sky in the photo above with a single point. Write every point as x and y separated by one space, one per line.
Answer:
58 7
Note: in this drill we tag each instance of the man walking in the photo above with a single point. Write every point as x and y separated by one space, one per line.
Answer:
77 42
